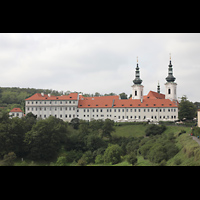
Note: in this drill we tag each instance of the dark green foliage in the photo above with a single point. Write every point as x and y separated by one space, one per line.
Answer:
8 159
113 154
75 122
196 131
132 159
187 109
155 129
158 148
45 138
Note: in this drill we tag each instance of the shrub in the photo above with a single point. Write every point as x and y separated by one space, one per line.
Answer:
132 158
99 159
113 154
155 129
61 161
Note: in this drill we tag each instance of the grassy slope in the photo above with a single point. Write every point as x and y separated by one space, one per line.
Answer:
130 130
188 155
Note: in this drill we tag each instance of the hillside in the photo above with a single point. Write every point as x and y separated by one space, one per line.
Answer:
11 97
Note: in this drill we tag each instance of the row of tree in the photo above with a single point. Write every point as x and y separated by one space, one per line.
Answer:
15 97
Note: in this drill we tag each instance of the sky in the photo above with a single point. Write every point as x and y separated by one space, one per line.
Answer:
100 62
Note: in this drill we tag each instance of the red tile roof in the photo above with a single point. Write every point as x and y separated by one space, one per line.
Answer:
38 96
110 101
101 102
153 99
154 95
16 110
146 103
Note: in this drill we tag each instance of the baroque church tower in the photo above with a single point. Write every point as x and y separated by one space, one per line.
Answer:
137 88
170 92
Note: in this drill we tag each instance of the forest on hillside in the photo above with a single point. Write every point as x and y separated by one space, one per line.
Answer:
81 142
11 97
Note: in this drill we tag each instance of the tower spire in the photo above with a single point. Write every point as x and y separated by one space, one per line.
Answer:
137 80
158 88
170 77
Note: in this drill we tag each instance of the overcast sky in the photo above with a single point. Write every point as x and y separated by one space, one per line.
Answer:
100 62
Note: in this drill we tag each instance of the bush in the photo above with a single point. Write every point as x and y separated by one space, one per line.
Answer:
113 154
132 158
155 129
61 161
99 159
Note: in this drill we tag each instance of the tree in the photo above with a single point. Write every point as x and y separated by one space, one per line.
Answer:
155 129
8 159
113 154
132 159
45 138
123 95
12 134
186 109
108 128
75 122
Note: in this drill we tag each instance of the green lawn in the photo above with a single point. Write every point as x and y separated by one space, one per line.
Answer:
130 130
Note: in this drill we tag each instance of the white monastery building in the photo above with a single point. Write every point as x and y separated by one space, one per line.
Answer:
153 107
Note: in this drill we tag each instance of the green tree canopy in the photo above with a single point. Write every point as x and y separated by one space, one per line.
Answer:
45 138
113 154
187 109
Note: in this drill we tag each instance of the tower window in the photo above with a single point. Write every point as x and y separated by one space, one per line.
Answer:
169 91
135 92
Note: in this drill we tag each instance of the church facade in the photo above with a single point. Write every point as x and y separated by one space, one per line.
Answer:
151 107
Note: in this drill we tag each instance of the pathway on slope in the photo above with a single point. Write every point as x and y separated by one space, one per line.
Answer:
196 139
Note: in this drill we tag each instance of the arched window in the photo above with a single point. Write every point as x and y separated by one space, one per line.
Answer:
169 91
135 92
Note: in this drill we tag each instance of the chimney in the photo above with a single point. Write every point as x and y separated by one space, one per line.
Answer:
42 94
49 95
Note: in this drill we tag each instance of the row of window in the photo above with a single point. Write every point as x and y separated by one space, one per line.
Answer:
60 116
135 117
101 110
50 108
51 102
133 110
119 117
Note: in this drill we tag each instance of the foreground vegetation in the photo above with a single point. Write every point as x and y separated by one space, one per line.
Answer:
53 142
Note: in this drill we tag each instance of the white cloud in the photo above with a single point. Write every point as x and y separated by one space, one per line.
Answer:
99 62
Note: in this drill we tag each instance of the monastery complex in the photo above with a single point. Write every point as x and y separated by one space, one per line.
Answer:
151 107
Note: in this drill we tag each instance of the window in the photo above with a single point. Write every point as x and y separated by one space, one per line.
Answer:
169 91
135 92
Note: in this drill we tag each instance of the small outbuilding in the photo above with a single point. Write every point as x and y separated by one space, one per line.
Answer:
16 112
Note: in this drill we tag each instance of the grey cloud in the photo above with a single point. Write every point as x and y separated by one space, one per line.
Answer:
99 62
